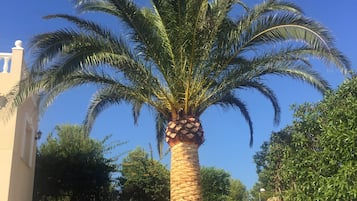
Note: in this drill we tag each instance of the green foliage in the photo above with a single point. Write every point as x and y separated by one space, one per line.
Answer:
72 166
215 184
270 162
218 185
238 191
143 178
317 157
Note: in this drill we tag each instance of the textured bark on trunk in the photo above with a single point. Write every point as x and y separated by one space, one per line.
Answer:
184 137
185 173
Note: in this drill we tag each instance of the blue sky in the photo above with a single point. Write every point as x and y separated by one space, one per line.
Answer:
227 134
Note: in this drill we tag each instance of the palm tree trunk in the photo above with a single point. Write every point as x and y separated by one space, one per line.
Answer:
185 173
184 137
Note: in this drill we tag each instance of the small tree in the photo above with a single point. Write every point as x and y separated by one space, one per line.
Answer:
215 184
270 160
143 178
73 167
218 185
238 192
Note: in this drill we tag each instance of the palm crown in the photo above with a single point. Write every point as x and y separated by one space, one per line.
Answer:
179 57
183 56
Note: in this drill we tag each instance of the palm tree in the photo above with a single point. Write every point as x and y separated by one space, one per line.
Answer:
179 57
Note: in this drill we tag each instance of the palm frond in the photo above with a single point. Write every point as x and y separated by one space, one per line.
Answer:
269 94
136 110
233 101
88 26
161 123
71 81
104 98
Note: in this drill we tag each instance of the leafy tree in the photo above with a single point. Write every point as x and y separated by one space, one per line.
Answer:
143 178
217 184
238 192
318 160
182 57
70 166
270 161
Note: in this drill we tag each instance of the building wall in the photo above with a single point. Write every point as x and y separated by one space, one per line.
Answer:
17 136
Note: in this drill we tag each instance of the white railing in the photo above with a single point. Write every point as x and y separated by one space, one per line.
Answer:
5 58
5 61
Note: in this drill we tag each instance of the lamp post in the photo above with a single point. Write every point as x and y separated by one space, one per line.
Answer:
260 191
